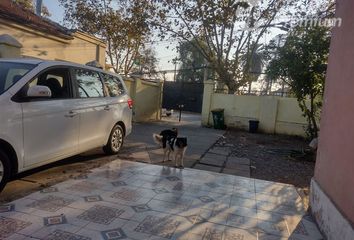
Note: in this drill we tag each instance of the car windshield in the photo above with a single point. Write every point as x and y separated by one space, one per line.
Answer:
11 73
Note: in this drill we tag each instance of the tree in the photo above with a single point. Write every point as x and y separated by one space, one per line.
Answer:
257 59
230 29
146 62
28 4
122 24
192 63
302 62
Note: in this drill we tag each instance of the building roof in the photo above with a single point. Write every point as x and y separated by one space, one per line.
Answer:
17 14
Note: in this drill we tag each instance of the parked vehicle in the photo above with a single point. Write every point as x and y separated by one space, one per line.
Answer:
50 110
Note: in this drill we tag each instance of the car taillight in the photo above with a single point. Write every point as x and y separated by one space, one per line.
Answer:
130 103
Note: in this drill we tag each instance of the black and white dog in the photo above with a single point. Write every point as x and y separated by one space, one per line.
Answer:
170 142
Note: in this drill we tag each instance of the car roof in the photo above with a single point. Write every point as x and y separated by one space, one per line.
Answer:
22 60
37 61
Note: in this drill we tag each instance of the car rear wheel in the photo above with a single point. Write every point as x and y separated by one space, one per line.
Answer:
4 170
115 141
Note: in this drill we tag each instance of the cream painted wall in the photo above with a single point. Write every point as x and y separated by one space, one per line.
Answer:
276 115
147 97
81 49
7 51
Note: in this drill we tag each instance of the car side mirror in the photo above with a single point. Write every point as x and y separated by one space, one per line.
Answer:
39 92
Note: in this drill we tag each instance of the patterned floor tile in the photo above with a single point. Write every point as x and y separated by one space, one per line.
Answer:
274 228
196 219
239 234
95 198
264 236
9 226
304 228
301 229
51 203
243 202
126 200
173 178
84 187
109 174
168 207
162 227
213 234
141 208
169 197
114 234
49 190
101 214
119 183
129 230
242 194
63 235
195 190
127 194
206 199
241 221
269 216
212 185
55 220
179 187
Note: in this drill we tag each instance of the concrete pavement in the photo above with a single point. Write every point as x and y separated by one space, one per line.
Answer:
206 148
139 145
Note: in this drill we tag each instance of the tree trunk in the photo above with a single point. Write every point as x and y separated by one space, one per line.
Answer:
228 80
313 117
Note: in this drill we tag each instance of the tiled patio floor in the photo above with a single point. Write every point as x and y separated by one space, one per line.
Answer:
129 200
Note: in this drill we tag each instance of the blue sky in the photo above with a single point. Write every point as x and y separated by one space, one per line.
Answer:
55 9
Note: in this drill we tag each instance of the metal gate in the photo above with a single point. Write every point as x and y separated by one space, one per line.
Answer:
190 95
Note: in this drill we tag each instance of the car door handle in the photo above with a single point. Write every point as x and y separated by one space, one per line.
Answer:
107 108
71 114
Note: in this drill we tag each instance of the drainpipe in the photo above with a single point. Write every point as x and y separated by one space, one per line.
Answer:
39 4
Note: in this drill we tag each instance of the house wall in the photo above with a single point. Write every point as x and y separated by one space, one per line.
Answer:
81 49
147 97
7 51
276 115
332 195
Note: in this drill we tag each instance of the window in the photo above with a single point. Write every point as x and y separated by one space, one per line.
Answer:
114 85
57 80
11 73
89 83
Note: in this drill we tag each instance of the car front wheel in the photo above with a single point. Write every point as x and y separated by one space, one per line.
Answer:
115 141
4 170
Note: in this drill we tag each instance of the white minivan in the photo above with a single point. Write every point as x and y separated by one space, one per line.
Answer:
50 110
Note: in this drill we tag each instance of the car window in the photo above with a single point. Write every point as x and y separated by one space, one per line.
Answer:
57 80
114 85
11 73
89 83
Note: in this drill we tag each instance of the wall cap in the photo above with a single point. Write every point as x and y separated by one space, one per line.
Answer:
9 40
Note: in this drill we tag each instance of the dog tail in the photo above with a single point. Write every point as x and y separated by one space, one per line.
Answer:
157 138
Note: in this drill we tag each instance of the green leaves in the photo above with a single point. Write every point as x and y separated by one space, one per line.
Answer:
28 4
222 31
302 63
124 25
